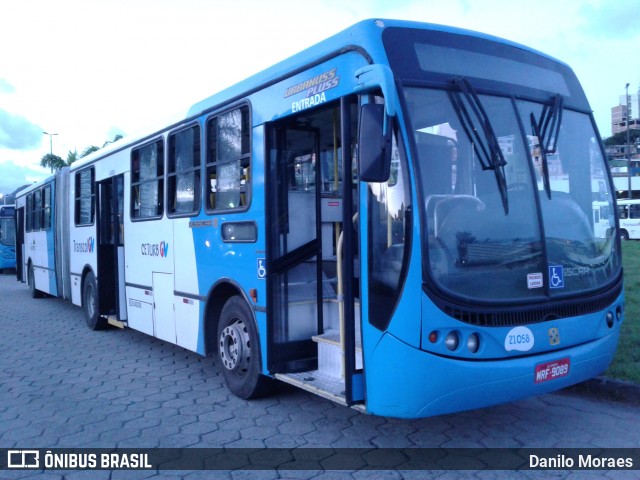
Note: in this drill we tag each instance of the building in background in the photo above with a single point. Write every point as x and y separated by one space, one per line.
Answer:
624 110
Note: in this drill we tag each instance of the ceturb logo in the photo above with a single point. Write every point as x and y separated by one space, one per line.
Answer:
155 249
84 247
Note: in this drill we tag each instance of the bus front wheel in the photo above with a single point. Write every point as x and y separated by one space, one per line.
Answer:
239 351
90 303
624 235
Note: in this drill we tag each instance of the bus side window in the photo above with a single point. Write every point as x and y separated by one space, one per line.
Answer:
622 212
147 181
388 232
183 174
37 209
46 207
84 197
28 226
228 160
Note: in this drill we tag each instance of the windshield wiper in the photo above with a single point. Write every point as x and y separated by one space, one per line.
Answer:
475 120
547 130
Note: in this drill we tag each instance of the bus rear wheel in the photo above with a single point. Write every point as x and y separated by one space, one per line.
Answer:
624 235
90 303
239 351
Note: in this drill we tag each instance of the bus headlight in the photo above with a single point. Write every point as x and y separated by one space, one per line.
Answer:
473 343
609 319
451 341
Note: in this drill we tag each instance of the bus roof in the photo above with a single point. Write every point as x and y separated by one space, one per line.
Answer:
359 35
35 185
364 37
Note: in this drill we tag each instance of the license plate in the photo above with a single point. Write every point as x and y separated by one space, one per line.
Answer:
552 370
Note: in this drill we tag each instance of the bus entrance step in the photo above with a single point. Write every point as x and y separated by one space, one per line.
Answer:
317 382
112 320
330 353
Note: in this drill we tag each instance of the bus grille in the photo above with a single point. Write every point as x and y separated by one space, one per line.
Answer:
515 316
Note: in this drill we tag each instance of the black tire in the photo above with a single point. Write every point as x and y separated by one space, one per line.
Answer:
31 281
90 303
624 235
239 351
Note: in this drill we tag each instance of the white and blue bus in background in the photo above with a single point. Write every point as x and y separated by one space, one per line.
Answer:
42 225
399 219
629 218
7 237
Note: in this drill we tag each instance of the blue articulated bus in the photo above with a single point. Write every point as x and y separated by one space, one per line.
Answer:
7 237
399 218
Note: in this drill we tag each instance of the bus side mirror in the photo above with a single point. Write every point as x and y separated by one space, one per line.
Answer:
374 144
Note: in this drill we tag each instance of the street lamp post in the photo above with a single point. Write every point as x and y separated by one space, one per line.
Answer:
52 134
628 144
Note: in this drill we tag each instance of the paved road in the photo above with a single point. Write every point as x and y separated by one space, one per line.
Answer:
62 385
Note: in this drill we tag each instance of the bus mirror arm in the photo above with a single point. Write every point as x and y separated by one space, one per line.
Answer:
378 77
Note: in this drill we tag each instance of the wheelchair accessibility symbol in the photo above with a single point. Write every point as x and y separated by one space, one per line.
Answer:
556 276
262 269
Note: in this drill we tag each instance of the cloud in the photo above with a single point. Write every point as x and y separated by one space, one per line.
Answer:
612 19
18 133
13 176
6 87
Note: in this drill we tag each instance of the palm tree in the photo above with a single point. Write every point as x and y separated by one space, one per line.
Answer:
72 157
89 150
54 162
115 139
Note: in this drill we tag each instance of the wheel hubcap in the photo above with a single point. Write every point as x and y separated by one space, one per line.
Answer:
235 351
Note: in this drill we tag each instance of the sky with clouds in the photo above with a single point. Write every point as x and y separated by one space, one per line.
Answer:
88 70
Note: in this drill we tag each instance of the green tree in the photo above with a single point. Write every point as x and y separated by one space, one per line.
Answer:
115 139
89 150
621 138
54 162
92 148
72 157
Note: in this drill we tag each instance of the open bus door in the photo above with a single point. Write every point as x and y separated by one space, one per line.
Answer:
313 323
111 294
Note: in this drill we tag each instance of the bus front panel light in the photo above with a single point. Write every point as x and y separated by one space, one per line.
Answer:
451 341
473 343
619 312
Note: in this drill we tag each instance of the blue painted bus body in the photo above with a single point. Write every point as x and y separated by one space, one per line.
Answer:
470 318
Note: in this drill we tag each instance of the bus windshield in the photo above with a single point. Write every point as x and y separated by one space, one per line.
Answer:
507 203
7 232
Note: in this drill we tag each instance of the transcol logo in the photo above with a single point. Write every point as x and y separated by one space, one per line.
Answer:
84 247
155 249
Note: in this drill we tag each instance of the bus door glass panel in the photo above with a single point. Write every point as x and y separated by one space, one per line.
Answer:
295 247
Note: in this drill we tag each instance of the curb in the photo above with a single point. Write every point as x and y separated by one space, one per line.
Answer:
610 389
